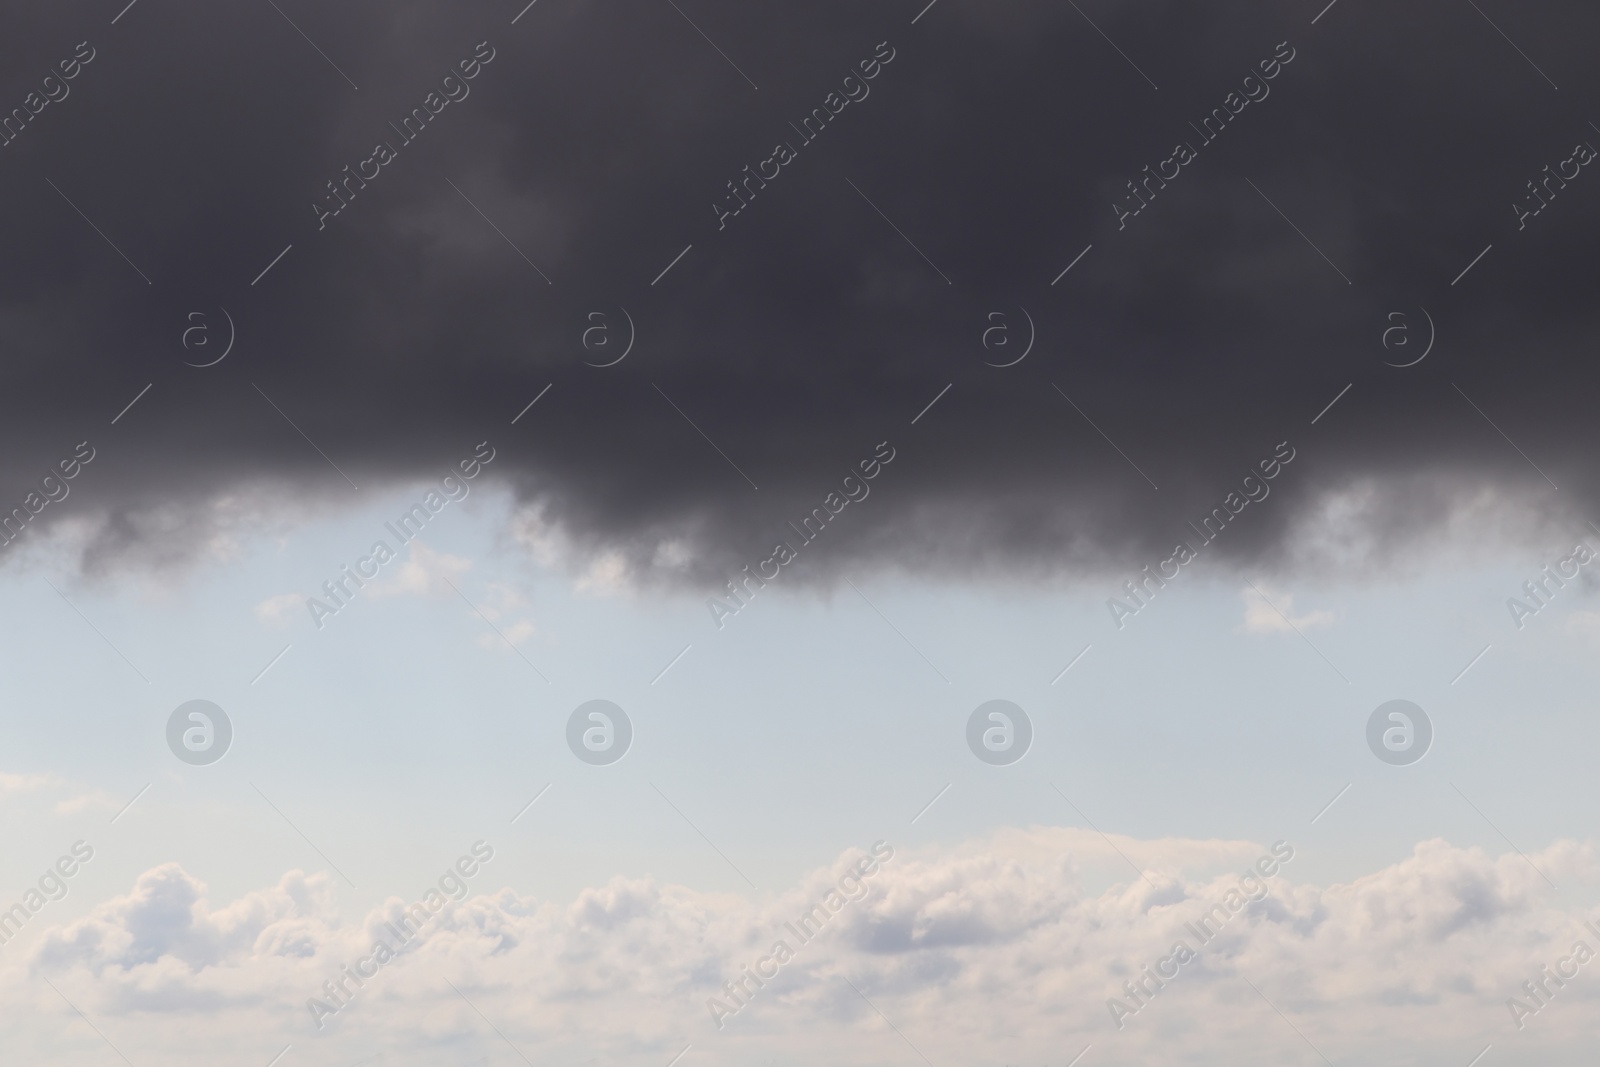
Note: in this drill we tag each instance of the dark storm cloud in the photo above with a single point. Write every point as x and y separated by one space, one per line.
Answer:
598 143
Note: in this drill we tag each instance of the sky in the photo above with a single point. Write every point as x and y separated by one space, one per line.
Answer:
566 492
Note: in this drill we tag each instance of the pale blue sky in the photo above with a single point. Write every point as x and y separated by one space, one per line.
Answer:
405 729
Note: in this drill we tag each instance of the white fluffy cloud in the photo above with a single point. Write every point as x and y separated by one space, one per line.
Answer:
987 952
70 797
275 610
1270 611
499 604
424 572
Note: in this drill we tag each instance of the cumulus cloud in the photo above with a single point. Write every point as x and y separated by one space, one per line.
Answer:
94 798
990 950
26 783
1585 625
515 633
423 572
1271 611
71 797
274 611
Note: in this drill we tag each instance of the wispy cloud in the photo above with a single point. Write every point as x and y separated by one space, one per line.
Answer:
1271 611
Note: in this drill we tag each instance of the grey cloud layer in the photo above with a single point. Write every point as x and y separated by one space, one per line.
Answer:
1196 338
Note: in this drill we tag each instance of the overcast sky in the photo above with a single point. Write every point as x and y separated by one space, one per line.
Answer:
400 378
